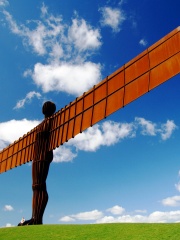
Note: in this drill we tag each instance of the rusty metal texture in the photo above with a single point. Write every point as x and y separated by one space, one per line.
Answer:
148 70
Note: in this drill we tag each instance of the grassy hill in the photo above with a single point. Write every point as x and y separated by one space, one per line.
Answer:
93 232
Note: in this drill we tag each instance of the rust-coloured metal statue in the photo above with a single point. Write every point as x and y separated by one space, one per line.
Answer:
151 68
40 166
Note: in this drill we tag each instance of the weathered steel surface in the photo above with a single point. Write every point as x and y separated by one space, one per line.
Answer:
148 70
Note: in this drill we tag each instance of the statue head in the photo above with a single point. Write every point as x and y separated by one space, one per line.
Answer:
48 109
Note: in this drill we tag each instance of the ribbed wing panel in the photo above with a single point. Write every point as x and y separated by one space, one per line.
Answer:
148 70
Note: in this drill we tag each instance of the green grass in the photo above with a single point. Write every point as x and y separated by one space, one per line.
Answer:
93 232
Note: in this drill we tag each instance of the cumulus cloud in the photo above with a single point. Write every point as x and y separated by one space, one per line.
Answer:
153 129
42 37
63 154
164 217
106 134
66 47
27 99
92 215
66 219
57 77
85 216
122 219
8 208
120 216
110 132
112 17
171 201
116 210
155 217
14 129
83 36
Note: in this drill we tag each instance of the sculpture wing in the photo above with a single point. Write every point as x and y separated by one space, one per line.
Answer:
148 70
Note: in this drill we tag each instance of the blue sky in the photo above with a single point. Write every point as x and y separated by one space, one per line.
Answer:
127 167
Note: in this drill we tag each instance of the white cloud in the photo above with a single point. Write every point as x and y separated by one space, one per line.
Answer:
109 133
122 219
44 10
148 128
92 215
66 48
83 36
9 225
171 201
113 132
92 139
106 219
3 3
106 134
116 210
97 216
63 154
14 129
152 129
27 98
155 217
112 17
8 208
13 25
85 216
36 39
164 217
167 129
42 37
143 42
67 219
57 77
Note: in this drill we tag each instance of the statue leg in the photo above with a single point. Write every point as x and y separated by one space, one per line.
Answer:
40 195
39 202
40 169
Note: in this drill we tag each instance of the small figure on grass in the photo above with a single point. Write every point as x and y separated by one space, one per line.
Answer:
22 221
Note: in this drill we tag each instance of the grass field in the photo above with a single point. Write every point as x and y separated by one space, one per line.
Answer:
93 232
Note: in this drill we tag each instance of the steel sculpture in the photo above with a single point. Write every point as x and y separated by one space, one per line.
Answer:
40 166
143 73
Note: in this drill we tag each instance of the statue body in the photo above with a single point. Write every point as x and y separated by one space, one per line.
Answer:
40 167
